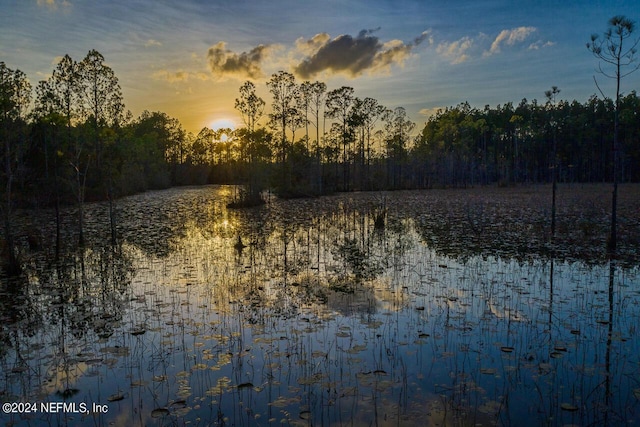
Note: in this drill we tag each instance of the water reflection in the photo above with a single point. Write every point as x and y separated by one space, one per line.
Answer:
321 316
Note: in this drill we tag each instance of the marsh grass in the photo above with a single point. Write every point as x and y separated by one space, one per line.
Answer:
453 313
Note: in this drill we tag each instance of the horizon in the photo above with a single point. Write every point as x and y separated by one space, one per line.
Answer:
188 60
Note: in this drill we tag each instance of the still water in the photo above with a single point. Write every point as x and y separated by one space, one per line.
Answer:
341 310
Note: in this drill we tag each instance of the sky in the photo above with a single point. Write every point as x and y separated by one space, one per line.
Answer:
188 58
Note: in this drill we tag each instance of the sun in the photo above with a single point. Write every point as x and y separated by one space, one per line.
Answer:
223 124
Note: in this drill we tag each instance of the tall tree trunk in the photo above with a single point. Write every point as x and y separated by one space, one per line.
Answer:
13 264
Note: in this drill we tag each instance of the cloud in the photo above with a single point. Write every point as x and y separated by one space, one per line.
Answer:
540 45
457 51
430 112
53 4
179 76
350 55
426 35
152 42
226 63
467 47
510 38
311 46
393 52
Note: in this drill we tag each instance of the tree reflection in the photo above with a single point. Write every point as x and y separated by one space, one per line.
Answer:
607 358
66 303
20 321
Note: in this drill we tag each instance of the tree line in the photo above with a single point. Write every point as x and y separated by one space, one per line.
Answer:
71 140
318 141
528 143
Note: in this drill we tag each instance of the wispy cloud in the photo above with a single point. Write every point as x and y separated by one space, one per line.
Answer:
152 42
53 4
540 44
226 63
179 76
352 56
467 47
457 51
510 38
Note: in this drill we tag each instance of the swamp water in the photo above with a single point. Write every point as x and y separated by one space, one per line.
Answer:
305 313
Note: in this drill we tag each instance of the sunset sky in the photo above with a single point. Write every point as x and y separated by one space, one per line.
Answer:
188 58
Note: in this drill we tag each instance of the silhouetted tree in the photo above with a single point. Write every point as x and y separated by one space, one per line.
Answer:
317 96
101 104
66 91
551 103
617 52
398 128
372 111
15 96
48 123
284 91
201 150
339 103
251 107
158 141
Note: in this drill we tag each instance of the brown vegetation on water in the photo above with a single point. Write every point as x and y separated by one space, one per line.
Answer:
516 221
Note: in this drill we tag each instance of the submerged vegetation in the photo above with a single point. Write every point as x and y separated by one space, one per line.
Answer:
304 312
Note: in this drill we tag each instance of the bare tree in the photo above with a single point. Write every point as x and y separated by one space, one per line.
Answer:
551 103
617 52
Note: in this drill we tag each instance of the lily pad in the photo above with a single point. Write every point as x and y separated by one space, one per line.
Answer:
568 407
159 413
115 397
305 415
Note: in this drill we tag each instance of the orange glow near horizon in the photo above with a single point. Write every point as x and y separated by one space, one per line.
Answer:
223 124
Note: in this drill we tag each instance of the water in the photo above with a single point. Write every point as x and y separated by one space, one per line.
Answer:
318 317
